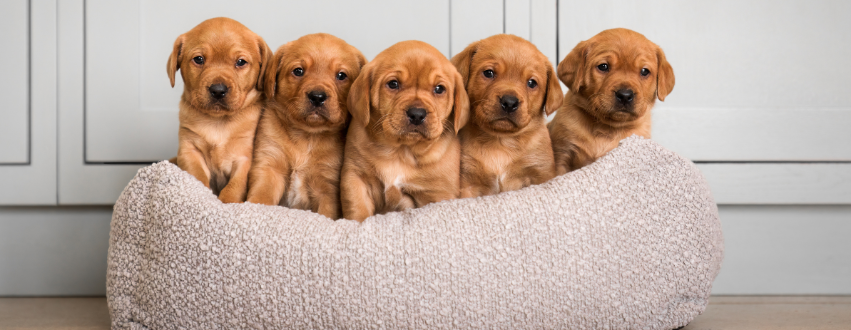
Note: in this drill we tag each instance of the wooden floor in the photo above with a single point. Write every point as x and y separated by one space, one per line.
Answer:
724 312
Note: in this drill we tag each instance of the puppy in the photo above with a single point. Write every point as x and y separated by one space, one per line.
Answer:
402 148
299 147
222 64
506 145
613 79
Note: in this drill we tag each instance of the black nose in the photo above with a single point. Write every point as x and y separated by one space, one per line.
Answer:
317 97
218 91
509 103
416 115
624 95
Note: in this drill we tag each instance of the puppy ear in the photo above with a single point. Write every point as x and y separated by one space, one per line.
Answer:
462 104
462 61
571 70
174 59
359 96
266 64
361 58
665 76
554 96
270 76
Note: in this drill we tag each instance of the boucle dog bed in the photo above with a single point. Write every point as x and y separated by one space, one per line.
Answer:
632 241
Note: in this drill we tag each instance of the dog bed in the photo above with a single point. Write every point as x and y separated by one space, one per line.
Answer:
632 241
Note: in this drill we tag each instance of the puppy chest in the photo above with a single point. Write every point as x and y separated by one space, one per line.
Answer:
298 190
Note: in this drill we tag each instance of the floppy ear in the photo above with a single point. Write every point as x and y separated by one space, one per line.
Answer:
462 61
553 97
359 96
665 76
266 64
461 106
361 58
270 75
174 59
571 70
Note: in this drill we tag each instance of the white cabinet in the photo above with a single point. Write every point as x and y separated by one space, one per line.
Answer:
757 80
760 100
14 83
759 94
28 90
117 109
130 108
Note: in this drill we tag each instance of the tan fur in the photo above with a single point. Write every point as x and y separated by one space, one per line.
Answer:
216 138
503 151
591 121
299 149
390 165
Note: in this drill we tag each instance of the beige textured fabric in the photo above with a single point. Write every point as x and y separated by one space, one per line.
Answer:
632 241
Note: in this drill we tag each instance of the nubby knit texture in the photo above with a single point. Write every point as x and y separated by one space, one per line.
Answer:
632 241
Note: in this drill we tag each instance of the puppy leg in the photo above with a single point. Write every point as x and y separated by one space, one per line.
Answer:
267 182
355 197
235 190
327 196
476 187
422 198
191 160
563 156
475 179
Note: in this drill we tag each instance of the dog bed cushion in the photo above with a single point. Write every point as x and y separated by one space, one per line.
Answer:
632 241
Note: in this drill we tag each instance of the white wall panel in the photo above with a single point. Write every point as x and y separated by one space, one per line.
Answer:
131 110
14 82
53 251
785 250
79 183
772 183
473 20
34 183
774 62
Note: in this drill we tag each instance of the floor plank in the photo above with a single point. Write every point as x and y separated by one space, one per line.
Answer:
723 312
774 312
54 313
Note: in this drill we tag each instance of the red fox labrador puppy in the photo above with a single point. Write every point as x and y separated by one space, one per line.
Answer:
506 145
613 79
222 64
402 148
299 149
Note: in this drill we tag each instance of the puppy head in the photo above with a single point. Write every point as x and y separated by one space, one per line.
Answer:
311 78
409 93
620 73
509 83
222 64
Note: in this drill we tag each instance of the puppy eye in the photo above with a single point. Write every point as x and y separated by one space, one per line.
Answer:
393 84
198 59
488 73
341 76
645 72
439 89
241 62
603 67
298 72
532 83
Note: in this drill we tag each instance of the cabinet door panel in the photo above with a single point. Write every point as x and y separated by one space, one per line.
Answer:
131 110
766 68
14 82
31 179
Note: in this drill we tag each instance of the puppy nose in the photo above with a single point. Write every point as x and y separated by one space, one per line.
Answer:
416 116
509 103
624 95
317 97
218 91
